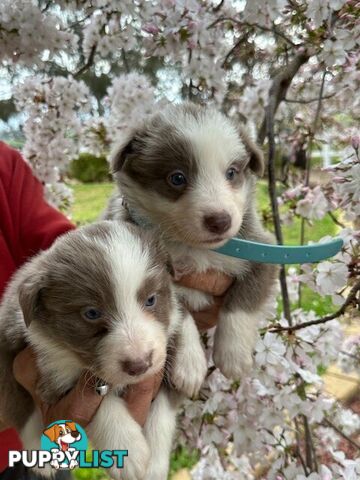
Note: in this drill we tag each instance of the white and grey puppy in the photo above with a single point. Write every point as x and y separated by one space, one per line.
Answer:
101 299
190 173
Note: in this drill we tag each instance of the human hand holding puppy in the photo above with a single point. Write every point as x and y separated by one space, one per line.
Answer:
82 402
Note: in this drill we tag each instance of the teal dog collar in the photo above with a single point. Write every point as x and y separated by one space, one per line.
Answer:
265 253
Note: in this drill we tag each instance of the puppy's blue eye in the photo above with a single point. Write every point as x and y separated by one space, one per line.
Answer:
150 302
231 173
92 313
177 179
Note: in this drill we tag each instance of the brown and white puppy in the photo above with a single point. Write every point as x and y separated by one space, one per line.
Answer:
101 299
189 173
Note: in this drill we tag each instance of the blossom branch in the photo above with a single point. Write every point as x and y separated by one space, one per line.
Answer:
341 433
46 7
310 453
280 85
273 29
350 300
298 449
270 114
232 50
313 129
88 63
335 220
308 160
311 100
347 354
277 93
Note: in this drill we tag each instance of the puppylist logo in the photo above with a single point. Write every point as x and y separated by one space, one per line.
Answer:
64 447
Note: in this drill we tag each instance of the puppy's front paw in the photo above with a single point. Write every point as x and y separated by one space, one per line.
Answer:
189 371
232 361
136 463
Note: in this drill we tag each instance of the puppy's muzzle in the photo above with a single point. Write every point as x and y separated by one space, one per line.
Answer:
217 222
138 366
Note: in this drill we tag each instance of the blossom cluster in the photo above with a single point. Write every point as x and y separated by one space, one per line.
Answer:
131 98
253 423
349 356
307 202
26 34
52 128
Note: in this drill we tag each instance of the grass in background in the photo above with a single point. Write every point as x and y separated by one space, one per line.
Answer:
90 199
90 474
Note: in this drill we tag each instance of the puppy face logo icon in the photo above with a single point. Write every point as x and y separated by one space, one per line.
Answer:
64 439
63 434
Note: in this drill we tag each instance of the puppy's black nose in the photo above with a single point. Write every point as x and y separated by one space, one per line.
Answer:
74 433
217 222
137 366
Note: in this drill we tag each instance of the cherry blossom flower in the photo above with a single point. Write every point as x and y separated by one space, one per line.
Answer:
269 350
331 277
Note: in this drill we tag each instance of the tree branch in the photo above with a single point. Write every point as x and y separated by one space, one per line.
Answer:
270 113
355 357
342 434
308 161
47 6
280 84
88 64
335 220
125 61
311 100
350 300
310 454
239 23
298 450
273 30
231 51
314 127
218 7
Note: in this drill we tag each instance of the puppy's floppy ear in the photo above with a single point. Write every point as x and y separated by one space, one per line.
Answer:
29 295
121 153
256 162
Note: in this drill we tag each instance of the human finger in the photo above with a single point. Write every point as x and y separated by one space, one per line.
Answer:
211 282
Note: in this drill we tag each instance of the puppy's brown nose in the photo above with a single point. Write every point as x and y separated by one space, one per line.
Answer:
137 366
217 222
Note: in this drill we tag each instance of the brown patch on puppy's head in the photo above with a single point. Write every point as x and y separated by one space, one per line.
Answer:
149 163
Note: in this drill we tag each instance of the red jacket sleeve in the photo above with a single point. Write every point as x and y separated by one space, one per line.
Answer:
27 225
